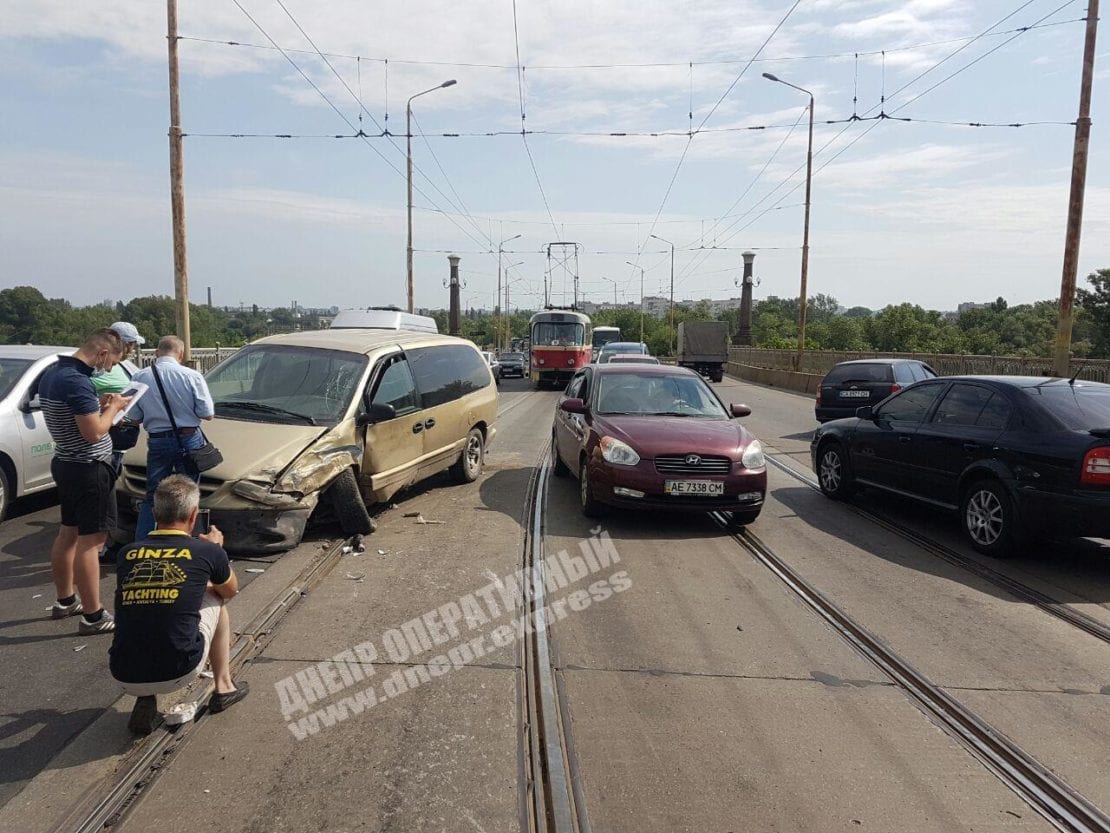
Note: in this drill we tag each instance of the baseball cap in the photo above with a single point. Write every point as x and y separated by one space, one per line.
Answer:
128 332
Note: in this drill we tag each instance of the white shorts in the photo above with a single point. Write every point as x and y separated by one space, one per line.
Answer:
209 617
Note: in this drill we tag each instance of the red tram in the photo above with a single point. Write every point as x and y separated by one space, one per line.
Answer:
561 343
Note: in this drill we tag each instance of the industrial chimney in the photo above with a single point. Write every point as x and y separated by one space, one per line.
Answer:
744 334
453 314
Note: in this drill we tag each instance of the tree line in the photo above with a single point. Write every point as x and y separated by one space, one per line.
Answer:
26 316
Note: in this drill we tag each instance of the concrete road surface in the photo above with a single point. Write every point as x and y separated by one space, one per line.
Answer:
703 697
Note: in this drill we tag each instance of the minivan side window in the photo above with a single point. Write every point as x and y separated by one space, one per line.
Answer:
397 388
910 405
446 372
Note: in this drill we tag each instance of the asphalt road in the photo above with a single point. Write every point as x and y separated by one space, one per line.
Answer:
703 697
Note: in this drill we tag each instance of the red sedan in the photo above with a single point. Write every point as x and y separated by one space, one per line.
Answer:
656 437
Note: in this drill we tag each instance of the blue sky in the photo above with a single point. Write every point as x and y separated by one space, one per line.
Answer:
928 213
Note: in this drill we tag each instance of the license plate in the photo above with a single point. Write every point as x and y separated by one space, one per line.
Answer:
697 488
855 394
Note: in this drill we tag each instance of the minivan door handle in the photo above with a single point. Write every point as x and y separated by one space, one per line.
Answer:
429 423
417 427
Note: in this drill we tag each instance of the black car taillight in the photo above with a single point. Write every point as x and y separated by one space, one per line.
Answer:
895 388
1096 467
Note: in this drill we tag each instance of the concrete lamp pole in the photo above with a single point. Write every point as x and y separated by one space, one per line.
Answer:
500 278
408 154
669 243
641 268
802 301
614 288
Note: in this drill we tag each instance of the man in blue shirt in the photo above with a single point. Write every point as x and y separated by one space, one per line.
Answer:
188 397
78 422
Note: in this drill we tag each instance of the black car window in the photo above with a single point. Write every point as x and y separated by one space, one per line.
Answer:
903 374
919 372
447 372
844 373
962 405
1079 406
396 387
996 413
575 387
911 405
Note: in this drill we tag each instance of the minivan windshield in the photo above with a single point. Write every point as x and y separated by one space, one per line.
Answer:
286 384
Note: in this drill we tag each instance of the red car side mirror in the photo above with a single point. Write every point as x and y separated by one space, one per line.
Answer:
740 410
573 406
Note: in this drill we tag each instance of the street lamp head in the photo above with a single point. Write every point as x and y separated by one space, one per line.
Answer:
450 83
770 77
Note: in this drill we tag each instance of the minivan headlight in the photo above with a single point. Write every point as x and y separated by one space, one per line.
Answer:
753 456
618 453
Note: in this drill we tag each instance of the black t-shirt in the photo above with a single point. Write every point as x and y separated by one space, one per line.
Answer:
160 583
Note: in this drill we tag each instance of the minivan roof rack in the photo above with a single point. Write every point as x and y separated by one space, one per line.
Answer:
380 319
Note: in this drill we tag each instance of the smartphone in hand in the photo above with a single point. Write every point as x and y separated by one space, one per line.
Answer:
204 523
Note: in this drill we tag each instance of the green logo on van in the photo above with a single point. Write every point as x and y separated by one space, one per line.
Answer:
42 450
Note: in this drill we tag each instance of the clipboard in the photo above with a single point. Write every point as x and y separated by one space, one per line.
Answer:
135 391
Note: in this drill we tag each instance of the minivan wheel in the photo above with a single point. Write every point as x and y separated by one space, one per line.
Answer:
832 471
350 508
469 467
557 465
591 508
989 519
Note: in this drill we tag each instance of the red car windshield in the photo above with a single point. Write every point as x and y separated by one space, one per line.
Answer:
657 395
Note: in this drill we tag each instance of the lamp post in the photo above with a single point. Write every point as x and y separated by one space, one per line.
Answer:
669 243
614 288
805 233
408 154
641 268
500 252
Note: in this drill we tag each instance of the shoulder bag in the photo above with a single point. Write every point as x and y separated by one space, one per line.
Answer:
202 459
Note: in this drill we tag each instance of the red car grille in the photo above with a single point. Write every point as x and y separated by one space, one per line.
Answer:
685 464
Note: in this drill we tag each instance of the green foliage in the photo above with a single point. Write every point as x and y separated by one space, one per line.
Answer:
26 315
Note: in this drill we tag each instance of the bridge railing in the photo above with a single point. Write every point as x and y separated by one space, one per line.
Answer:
204 358
945 364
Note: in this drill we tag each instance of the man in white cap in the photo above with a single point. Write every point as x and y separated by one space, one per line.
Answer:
117 379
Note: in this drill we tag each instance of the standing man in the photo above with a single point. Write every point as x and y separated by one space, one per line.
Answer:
187 394
78 423
117 379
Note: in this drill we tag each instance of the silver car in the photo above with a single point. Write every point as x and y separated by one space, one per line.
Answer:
25 445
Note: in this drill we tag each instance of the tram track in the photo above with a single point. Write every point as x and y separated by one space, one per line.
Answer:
553 798
1043 602
1053 798
107 804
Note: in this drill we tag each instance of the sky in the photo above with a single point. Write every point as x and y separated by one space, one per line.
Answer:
930 213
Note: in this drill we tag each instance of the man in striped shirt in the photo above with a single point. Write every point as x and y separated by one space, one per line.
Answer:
78 423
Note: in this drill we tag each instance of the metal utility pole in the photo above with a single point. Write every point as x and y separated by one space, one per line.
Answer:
408 155
1062 361
802 300
500 278
614 288
669 243
641 268
453 309
177 189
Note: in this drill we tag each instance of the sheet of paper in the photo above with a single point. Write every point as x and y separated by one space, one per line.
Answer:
134 391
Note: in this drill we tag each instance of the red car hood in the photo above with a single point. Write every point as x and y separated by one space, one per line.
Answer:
652 436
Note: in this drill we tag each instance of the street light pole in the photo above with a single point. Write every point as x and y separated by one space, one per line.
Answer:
500 252
614 288
802 301
641 268
1062 361
408 156
669 243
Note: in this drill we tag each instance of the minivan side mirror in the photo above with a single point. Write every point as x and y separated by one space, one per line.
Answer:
864 412
739 410
573 406
378 412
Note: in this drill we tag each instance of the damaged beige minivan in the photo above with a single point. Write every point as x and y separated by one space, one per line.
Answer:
349 415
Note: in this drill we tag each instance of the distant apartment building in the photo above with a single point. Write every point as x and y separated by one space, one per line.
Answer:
968 306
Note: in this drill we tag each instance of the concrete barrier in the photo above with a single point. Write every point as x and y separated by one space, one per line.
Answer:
772 377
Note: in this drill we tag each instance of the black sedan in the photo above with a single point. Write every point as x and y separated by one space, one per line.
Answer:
851 385
1017 457
512 364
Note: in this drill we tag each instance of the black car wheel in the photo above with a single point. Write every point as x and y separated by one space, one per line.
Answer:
591 508
832 471
557 465
989 520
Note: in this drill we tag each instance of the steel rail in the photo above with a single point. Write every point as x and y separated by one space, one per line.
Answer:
1049 795
556 803
113 797
1060 610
